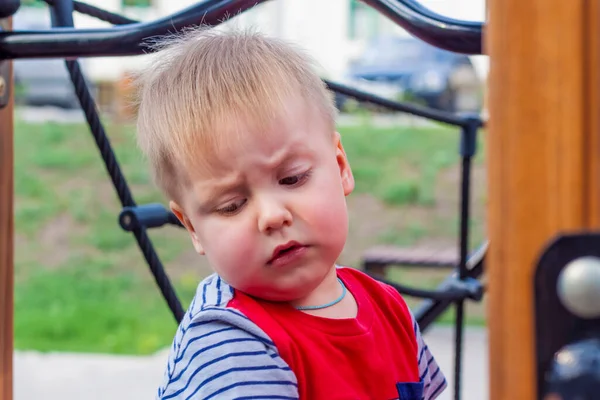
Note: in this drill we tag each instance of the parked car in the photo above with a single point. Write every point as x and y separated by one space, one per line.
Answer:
41 82
406 68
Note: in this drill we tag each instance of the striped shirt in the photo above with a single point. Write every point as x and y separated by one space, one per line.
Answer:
220 353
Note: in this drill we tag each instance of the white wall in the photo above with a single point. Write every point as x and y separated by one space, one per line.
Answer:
322 33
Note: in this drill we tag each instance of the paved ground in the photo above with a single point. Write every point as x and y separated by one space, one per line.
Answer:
78 377
474 384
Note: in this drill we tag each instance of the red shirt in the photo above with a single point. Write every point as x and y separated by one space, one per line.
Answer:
361 358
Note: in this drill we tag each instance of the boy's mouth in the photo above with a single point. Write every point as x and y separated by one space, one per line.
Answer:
285 249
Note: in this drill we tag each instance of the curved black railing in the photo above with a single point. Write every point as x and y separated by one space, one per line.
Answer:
440 31
125 40
132 39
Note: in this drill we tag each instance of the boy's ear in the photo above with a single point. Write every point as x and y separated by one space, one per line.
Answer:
185 221
344 165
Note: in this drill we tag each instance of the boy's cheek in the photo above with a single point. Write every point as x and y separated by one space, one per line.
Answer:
230 244
327 211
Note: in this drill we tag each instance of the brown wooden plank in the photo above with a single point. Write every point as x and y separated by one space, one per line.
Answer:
408 255
6 248
542 138
592 118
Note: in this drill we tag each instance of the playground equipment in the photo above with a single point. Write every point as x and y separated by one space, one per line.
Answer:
542 259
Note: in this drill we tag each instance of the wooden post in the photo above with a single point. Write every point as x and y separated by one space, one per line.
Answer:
543 152
6 236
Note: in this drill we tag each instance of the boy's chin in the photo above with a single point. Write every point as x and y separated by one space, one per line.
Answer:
278 295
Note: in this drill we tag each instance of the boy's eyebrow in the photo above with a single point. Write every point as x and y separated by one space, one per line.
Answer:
296 153
212 191
220 189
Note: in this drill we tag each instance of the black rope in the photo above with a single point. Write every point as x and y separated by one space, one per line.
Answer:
120 184
89 108
63 17
96 12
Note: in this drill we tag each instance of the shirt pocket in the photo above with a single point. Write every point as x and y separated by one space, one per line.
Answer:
410 390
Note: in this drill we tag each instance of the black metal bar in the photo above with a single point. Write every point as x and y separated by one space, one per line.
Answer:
467 150
152 215
132 39
440 31
456 289
99 13
446 33
8 8
430 310
61 13
430 113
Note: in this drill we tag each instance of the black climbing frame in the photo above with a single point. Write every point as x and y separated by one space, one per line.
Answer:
128 37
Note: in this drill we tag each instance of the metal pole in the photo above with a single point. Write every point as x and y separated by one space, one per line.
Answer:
6 226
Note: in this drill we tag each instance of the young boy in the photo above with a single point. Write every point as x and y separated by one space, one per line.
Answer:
240 134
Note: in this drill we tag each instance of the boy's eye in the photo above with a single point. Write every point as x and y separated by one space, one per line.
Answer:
294 180
231 208
290 180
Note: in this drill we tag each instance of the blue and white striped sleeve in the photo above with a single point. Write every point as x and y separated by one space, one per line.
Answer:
218 353
219 359
434 381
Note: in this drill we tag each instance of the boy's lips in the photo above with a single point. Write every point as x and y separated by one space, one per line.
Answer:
286 253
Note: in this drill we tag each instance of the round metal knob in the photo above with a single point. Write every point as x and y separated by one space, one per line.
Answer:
579 287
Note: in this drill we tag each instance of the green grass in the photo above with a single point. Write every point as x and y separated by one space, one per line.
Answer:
81 283
401 165
79 308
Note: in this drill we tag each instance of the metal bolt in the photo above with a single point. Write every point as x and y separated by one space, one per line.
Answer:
579 287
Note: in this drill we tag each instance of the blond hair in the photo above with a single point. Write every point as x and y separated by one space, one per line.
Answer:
200 79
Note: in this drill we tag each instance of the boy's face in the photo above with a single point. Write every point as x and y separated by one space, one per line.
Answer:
273 220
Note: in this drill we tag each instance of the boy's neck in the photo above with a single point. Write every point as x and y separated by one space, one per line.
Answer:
327 291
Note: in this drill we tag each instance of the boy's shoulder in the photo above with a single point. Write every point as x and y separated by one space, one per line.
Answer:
216 345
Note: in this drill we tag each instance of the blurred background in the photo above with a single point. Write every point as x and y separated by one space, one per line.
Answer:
82 285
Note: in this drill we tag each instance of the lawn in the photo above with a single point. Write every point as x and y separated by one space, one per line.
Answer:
81 283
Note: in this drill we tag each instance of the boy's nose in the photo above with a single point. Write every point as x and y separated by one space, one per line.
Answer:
273 216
